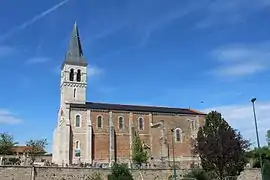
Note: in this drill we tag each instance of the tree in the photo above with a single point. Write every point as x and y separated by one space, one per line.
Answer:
220 147
6 144
35 148
268 137
120 172
139 156
254 156
266 170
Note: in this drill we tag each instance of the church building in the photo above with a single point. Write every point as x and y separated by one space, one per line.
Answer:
102 133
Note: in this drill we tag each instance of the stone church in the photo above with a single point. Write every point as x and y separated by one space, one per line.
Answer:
102 133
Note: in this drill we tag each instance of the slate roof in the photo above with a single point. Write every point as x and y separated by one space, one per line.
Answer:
135 108
74 55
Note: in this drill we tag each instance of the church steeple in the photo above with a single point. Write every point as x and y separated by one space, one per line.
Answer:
74 55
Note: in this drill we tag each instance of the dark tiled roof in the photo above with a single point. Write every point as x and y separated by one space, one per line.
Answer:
74 54
137 108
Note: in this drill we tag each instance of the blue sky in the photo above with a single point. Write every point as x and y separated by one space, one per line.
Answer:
155 52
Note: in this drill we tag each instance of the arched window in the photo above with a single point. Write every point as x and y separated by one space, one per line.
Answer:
193 125
77 145
71 75
74 93
178 135
99 121
79 75
78 121
140 123
120 122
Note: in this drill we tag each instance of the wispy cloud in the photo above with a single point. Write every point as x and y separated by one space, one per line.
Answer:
7 117
37 60
6 51
241 117
242 59
230 11
94 71
105 33
174 14
33 20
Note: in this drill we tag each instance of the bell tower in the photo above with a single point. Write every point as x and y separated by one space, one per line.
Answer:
74 72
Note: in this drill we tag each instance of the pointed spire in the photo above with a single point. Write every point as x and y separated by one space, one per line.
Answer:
74 54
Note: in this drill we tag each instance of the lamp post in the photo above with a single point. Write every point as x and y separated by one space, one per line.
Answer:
174 170
257 134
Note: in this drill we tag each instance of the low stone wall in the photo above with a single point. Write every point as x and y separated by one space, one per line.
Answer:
250 174
61 173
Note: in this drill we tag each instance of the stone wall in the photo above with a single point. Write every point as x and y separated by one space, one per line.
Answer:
57 173
250 174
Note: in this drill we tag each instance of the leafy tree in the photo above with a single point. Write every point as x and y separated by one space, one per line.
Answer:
220 147
268 137
6 144
35 148
139 156
120 172
266 170
254 155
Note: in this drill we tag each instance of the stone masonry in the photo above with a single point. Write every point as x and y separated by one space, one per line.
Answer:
57 173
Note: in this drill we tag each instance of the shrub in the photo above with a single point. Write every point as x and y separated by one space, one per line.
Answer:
197 174
266 170
96 176
120 172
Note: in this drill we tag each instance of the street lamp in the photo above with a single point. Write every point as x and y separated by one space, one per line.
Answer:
257 134
174 170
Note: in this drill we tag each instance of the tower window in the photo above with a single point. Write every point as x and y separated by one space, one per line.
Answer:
99 121
78 75
71 75
140 123
77 121
74 93
120 122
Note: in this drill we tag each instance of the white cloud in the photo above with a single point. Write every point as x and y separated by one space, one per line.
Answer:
37 60
241 117
93 71
7 117
6 51
242 59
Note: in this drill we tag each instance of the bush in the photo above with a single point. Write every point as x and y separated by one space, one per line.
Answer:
120 172
197 174
266 170
96 176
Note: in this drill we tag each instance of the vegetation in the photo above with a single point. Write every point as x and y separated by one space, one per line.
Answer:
36 148
266 170
268 138
198 174
6 144
120 172
220 147
95 176
139 156
253 156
